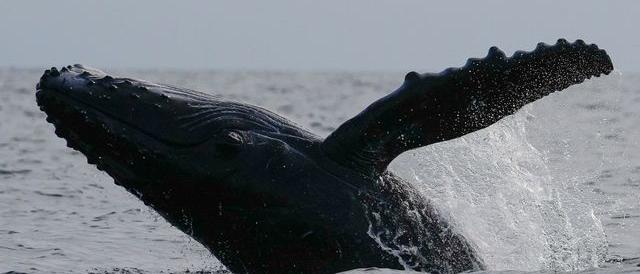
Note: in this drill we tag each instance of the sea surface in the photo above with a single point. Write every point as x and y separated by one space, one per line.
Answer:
553 188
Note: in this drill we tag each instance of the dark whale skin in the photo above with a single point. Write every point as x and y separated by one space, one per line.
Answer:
266 196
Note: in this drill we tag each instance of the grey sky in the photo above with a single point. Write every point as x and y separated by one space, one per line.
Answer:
301 34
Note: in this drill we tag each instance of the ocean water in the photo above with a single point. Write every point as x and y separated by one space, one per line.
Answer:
555 187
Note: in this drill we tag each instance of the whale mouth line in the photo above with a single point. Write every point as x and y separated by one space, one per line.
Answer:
68 102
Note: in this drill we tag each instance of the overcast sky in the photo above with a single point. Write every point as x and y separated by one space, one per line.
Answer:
374 35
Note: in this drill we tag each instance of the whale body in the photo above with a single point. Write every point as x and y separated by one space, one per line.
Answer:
266 196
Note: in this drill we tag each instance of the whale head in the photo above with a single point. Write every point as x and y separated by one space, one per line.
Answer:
121 122
214 168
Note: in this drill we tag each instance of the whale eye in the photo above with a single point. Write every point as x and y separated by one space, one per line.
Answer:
230 144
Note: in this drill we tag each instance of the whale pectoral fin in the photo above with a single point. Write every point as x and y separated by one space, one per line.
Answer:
431 108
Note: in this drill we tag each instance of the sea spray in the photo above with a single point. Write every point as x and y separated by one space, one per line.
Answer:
499 191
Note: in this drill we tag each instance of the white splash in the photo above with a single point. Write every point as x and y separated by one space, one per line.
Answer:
500 192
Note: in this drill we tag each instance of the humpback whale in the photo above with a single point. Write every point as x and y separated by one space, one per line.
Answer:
266 196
